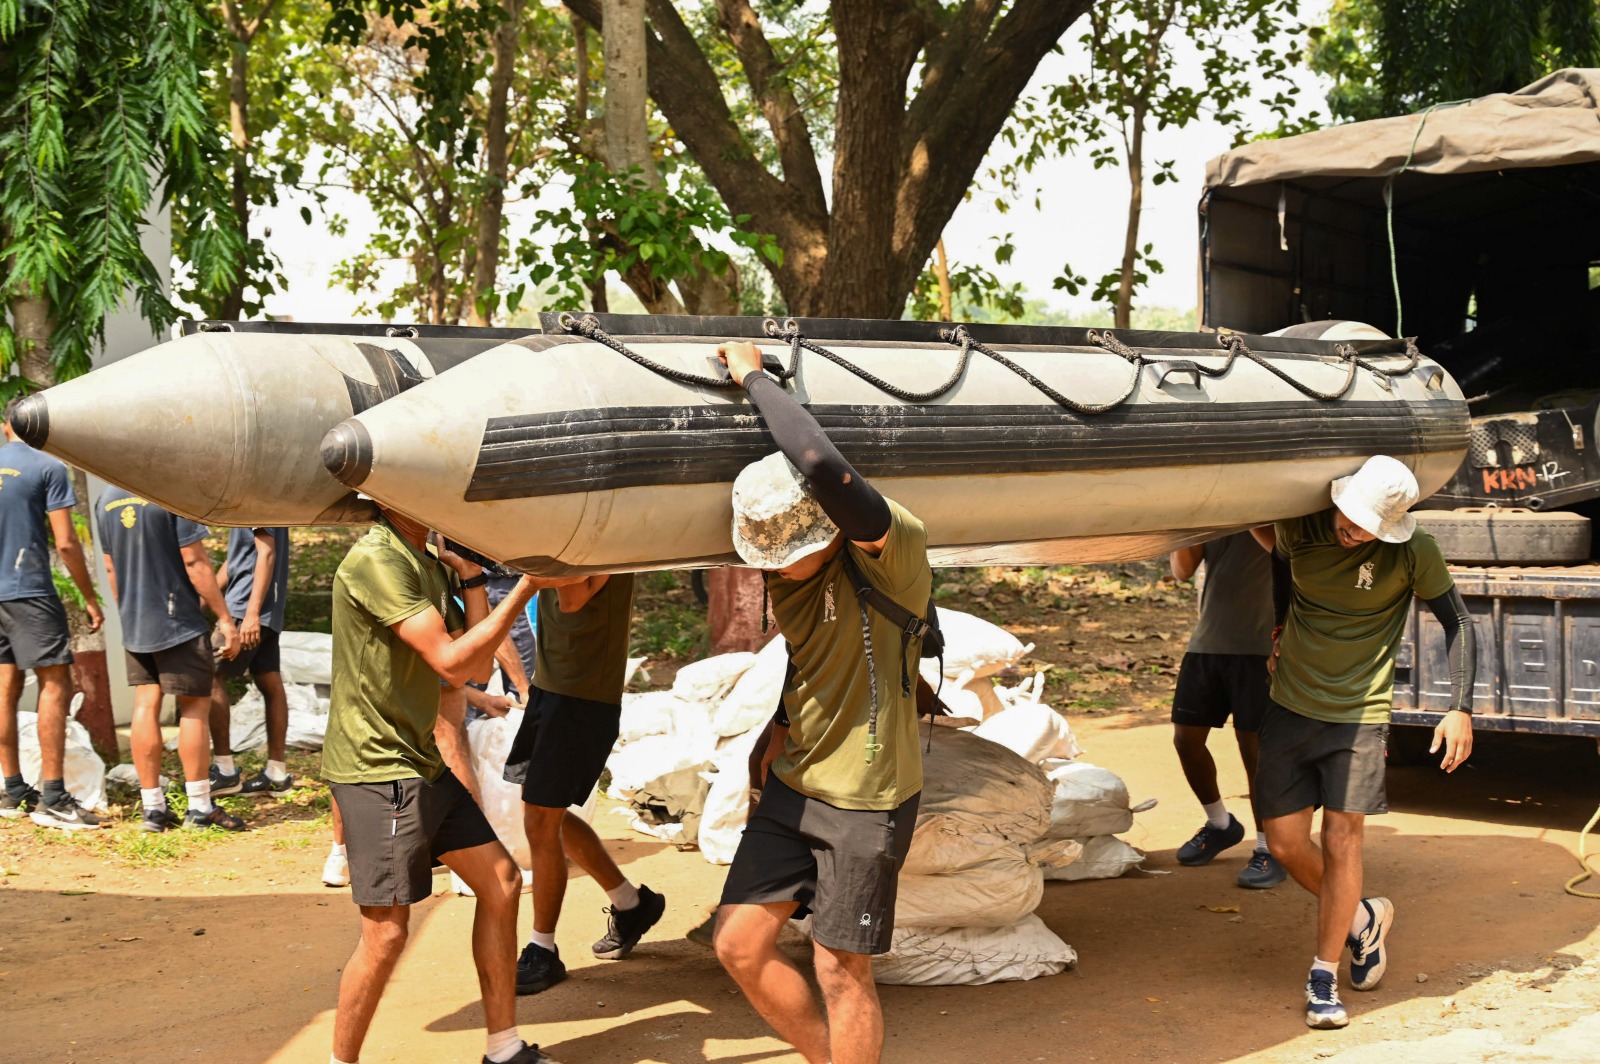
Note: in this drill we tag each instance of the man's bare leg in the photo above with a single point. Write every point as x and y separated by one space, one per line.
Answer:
220 719
549 857
1189 740
10 698
580 842
855 1016
194 738
383 936
747 946
1332 872
277 699
55 696
496 884
144 735
1250 754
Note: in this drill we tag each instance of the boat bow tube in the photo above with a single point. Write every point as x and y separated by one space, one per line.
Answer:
610 443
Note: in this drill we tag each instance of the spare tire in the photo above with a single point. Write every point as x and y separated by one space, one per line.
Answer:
1479 536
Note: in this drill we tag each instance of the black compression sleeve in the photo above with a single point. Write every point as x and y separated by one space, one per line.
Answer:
1461 646
846 497
1282 588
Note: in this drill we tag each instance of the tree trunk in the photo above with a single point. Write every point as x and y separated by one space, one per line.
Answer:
733 611
941 271
231 306
627 103
496 138
1130 243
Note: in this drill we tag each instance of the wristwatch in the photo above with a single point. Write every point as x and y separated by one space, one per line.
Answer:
476 581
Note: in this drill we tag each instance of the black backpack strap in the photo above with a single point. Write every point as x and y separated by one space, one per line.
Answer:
911 626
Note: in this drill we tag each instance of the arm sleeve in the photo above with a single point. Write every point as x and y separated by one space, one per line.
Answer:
391 593
1461 646
58 493
1282 588
844 494
190 532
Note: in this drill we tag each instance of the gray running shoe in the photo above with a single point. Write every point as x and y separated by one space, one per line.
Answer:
158 820
217 818
67 815
17 808
627 926
1263 872
261 783
223 785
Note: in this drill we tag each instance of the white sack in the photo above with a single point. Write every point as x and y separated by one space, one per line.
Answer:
247 721
1089 801
711 679
754 698
972 644
306 657
653 713
652 757
1033 731
972 956
980 786
1052 855
489 743
1105 857
728 802
83 773
941 845
994 893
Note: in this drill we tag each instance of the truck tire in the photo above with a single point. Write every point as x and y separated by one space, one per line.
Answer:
1477 536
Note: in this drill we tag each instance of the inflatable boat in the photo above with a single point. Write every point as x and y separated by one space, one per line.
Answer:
609 443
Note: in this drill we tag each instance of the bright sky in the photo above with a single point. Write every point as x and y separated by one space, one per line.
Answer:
1081 220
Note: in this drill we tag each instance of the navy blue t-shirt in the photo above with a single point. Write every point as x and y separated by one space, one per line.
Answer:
242 576
31 485
158 605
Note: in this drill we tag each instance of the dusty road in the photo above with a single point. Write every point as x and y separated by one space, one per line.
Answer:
232 954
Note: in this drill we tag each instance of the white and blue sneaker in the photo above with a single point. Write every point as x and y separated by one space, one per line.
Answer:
1368 959
1323 1010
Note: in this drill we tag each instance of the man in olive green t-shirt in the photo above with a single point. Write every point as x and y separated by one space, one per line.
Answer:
397 632
839 803
572 721
1343 584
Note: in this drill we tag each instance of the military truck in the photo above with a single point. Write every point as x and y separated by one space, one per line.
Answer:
1475 228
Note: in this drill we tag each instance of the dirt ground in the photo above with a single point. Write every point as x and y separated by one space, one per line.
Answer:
231 951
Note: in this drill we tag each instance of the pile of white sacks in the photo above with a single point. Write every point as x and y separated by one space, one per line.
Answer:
1005 804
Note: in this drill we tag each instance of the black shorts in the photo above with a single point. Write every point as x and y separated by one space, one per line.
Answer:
841 864
34 633
561 748
258 660
184 670
395 832
1308 763
1212 686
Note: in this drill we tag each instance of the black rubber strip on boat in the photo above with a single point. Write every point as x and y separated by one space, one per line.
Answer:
569 451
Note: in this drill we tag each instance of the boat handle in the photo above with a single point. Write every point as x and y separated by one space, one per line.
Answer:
1178 366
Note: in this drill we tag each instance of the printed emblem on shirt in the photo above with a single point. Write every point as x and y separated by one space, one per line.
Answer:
828 612
1364 577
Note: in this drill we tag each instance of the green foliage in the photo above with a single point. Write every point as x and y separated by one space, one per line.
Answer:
975 290
102 120
1393 57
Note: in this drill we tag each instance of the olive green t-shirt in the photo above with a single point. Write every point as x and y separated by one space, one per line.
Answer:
1347 614
585 654
385 697
829 702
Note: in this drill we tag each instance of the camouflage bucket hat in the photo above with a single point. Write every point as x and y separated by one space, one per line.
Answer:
776 519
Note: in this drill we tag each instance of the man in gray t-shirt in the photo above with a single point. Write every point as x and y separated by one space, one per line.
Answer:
160 572
255 583
1224 673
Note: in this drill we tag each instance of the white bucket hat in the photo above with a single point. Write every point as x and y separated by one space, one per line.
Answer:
1377 496
776 519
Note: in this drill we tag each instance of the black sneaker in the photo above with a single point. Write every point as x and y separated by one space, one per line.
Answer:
538 969
67 814
17 808
217 818
261 783
158 820
628 926
223 785
1210 841
528 1054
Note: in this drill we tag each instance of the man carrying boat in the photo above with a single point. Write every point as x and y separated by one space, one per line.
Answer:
840 801
572 721
1343 580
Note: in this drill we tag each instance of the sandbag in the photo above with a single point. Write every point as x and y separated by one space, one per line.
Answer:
1105 857
972 644
83 773
711 679
1031 730
488 744
994 893
1088 801
652 757
727 805
306 657
942 845
978 785
972 956
654 713
754 698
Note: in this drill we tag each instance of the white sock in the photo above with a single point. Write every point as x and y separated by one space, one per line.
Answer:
1320 965
199 796
624 895
224 763
544 940
1261 842
153 798
335 1060
277 770
1217 813
1363 918
503 1045
336 850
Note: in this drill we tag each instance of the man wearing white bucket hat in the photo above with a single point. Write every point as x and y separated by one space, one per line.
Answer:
1342 588
840 801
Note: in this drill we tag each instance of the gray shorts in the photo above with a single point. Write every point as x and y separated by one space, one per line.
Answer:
1306 764
184 670
34 633
396 831
843 865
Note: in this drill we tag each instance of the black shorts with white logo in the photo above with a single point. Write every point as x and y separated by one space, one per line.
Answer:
184 670
561 748
258 660
1306 764
34 633
842 865
394 833
1211 687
